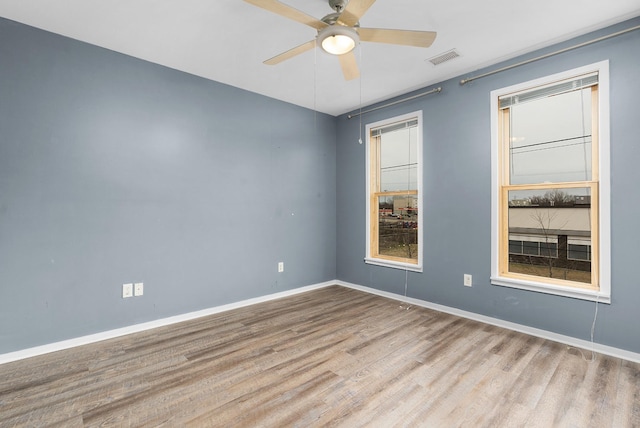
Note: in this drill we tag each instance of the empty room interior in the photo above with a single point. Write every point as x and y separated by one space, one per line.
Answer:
319 213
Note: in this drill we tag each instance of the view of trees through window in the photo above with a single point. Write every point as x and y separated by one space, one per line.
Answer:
398 226
550 234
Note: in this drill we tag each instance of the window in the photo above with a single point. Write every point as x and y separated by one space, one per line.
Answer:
550 174
578 250
532 245
394 182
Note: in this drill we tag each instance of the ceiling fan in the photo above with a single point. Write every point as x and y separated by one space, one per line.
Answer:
339 32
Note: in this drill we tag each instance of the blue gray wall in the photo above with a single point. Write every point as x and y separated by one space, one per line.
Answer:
114 170
457 191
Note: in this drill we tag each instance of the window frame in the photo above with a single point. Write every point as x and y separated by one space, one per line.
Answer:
371 223
602 206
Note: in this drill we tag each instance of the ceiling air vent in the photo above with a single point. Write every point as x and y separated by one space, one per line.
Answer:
444 57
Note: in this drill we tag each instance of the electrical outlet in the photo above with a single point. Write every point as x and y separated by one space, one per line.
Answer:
127 290
138 289
467 280
280 266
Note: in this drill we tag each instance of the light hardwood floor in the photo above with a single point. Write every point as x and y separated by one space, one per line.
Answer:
330 357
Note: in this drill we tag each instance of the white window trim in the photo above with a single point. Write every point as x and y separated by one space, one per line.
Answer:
383 262
604 294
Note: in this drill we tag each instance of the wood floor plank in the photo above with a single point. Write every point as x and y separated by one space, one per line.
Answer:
560 394
477 406
599 387
458 375
627 411
514 406
329 357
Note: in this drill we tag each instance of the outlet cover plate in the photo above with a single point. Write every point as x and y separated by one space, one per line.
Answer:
468 280
127 290
138 289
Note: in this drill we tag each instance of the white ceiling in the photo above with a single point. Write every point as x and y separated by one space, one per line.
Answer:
227 40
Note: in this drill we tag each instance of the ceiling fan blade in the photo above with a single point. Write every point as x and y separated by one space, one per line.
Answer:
291 53
421 39
288 12
354 11
349 66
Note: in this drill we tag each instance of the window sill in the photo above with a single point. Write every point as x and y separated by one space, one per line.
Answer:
392 264
558 290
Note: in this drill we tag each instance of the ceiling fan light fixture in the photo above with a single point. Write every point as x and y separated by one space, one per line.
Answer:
337 40
338 44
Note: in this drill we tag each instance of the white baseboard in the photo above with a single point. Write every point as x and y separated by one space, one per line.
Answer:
93 338
567 340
